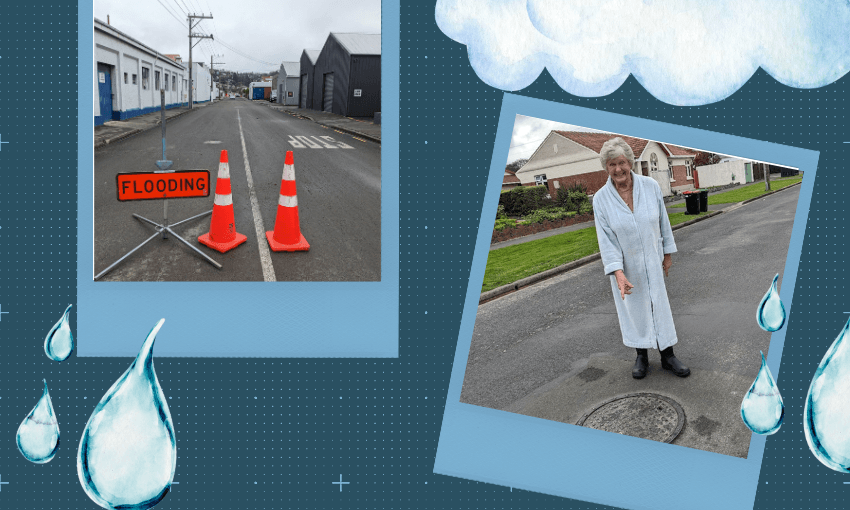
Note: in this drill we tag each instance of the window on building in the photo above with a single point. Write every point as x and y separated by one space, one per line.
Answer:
146 78
156 79
670 171
174 82
125 78
135 79
653 162
166 81
541 180
689 169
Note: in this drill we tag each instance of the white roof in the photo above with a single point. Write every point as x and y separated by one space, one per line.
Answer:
360 44
291 68
260 84
312 55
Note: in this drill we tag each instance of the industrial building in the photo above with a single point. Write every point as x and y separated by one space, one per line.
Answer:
129 75
308 62
260 90
347 75
288 82
203 87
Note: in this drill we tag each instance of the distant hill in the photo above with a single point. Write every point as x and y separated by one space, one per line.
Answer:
231 81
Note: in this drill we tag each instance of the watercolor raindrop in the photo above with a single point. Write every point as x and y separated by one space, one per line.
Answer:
38 435
128 453
827 409
762 408
771 312
59 342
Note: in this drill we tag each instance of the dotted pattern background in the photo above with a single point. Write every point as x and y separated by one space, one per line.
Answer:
276 433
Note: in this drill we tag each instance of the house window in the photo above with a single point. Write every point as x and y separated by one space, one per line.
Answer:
156 79
689 170
135 79
166 82
653 162
670 171
174 82
146 78
540 180
125 78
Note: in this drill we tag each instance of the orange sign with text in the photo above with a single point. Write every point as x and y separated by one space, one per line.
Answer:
159 185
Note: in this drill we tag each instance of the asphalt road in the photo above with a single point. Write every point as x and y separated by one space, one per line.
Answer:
530 340
339 199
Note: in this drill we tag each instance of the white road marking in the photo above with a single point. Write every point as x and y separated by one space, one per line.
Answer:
212 142
316 142
265 254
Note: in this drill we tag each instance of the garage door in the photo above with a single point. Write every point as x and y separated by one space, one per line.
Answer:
328 93
303 91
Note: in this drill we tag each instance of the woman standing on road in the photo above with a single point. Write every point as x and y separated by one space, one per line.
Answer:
635 240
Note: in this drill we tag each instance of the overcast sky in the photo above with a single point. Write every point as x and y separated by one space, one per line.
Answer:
251 35
529 133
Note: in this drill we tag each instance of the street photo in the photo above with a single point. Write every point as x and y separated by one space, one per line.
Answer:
231 144
626 283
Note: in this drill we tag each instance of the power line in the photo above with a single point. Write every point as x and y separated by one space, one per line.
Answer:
526 143
171 13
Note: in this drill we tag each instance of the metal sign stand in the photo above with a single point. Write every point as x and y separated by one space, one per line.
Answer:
164 167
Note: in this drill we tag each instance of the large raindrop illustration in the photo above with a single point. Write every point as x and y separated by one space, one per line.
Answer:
771 312
38 435
762 409
59 342
128 453
827 410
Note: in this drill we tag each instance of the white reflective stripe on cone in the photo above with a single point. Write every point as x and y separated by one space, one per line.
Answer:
288 172
286 201
223 171
223 199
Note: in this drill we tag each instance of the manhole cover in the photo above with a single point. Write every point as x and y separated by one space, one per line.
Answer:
645 415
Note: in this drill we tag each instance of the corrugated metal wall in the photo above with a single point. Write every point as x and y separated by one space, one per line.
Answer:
307 70
366 76
333 59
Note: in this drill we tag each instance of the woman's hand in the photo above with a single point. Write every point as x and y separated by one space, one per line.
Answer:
668 261
623 283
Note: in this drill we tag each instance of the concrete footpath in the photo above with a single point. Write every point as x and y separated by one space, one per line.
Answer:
357 127
115 130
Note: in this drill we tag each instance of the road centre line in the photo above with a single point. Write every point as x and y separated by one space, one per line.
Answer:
265 254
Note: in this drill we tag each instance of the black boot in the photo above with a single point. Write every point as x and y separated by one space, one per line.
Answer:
641 364
669 362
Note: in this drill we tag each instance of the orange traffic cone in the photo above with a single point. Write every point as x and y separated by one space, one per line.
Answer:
222 235
287 230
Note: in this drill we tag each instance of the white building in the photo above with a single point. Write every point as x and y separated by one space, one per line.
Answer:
288 83
130 74
260 90
201 80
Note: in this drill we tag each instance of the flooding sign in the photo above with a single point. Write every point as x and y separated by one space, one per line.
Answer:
159 185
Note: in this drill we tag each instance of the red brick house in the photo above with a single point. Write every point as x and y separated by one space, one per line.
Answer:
568 157
510 180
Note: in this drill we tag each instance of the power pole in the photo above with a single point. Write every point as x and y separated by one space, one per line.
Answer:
192 25
211 71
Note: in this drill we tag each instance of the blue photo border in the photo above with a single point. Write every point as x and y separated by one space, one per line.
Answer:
243 319
566 460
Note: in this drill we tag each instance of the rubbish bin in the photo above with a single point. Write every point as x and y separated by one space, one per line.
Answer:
703 201
691 202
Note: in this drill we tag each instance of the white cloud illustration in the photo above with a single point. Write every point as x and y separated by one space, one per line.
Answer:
684 52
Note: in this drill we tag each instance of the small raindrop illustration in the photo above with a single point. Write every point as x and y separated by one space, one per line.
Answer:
771 312
128 453
59 342
827 410
762 409
38 435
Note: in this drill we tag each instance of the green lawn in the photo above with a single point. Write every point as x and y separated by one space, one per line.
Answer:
512 263
681 217
747 192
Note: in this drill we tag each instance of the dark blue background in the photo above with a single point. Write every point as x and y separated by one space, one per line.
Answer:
277 433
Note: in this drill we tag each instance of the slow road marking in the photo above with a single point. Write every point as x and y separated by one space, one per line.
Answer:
317 142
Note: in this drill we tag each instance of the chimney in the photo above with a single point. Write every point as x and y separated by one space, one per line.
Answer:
107 20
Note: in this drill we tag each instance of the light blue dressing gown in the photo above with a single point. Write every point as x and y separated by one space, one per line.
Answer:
636 243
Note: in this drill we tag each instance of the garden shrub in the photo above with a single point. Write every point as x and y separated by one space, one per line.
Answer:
523 200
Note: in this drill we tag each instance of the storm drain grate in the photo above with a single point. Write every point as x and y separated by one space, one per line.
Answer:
645 415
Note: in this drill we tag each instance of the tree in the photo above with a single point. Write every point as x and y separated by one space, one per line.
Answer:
706 158
516 165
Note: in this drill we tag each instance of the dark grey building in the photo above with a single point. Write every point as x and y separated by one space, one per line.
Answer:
308 61
347 75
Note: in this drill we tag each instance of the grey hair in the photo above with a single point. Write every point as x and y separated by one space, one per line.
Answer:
615 148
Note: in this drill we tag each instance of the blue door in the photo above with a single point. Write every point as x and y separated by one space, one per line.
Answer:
104 87
259 93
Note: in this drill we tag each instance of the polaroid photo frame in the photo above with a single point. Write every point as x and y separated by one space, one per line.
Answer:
243 319
555 458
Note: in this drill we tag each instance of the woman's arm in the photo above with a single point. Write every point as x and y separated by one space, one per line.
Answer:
609 246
